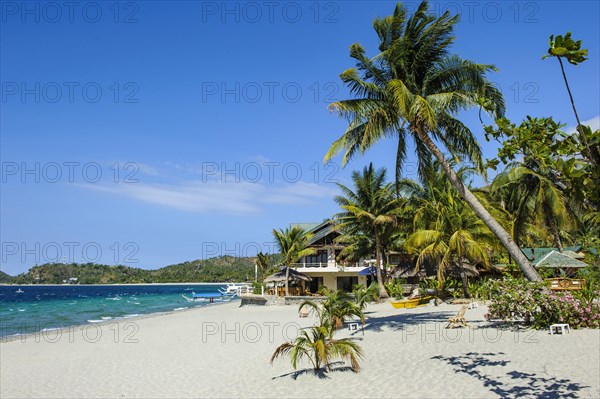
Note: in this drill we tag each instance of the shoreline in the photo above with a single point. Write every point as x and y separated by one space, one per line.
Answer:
109 285
79 327
188 354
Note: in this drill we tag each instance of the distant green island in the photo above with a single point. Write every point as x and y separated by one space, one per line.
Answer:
219 269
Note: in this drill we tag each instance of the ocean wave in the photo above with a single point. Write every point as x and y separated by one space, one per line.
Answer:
50 329
117 298
180 308
128 316
106 318
95 321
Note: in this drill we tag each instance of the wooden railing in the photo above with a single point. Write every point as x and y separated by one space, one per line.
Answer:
562 284
323 264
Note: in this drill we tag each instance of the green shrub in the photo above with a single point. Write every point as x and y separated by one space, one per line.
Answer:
519 299
323 291
394 289
363 295
480 289
591 274
257 288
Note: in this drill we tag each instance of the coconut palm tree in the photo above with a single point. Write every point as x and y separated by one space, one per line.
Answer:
534 198
363 295
454 247
335 310
293 245
446 231
569 49
367 211
320 349
413 89
317 343
263 262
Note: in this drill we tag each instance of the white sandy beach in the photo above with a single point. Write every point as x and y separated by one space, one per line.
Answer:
223 351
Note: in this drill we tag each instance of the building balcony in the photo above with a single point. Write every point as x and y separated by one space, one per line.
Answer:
327 267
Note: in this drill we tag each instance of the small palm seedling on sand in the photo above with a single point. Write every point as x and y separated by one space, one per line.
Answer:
317 343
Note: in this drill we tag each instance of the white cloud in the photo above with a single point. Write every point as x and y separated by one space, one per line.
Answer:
147 169
220 197
594 123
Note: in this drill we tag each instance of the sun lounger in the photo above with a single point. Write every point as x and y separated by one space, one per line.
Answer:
458 320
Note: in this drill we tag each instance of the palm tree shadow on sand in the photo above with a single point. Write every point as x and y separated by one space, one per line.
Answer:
322 373
399 321
522 384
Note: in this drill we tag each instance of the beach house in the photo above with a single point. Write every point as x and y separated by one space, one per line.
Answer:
323 267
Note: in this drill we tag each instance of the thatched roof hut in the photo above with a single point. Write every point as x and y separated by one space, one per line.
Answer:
280 276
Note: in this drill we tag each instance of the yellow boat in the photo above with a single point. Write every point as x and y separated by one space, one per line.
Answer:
407 303
410 303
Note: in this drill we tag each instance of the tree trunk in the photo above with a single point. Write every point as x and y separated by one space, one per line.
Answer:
581 133
287 280
384 260
382 291
558 242
480 210
555 234
465 281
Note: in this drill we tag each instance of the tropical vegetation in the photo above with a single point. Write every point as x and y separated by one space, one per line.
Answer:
218 269
413 89
528 302
292 243
368 211
317 343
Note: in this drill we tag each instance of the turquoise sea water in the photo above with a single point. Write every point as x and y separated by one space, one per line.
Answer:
39 308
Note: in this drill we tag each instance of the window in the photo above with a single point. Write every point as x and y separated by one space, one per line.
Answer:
319 257
315 284
346 283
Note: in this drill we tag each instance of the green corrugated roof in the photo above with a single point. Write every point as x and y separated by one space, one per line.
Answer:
305 226
538 253
556 259
322 233
319 230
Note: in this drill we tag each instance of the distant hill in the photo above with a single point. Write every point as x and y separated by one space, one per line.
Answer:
224 268
5 278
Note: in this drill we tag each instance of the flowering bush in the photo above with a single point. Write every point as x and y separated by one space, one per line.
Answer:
518 299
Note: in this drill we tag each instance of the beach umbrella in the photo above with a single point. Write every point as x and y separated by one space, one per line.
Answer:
368 271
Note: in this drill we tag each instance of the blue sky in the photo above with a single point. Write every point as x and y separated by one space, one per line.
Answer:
150 133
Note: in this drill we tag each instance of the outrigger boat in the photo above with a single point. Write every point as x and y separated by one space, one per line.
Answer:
209 297
233 289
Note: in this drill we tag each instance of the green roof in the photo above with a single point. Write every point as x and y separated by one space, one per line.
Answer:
318 230
558 260
305 226
534 254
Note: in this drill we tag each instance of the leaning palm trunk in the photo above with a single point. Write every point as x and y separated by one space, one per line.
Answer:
480 210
